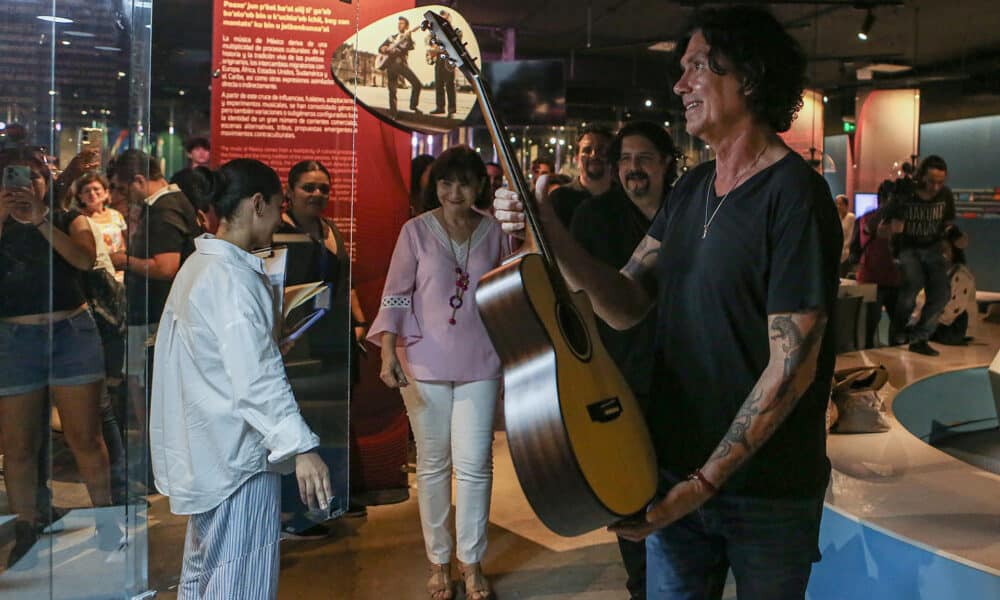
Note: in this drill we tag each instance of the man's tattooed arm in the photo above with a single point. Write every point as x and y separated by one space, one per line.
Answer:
795 344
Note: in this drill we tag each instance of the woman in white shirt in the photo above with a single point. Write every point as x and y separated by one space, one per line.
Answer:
224 423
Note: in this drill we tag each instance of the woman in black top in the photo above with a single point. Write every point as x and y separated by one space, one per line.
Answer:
308 195
335 339
48 344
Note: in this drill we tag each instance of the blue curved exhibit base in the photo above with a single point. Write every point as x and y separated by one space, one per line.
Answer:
861 562
904 521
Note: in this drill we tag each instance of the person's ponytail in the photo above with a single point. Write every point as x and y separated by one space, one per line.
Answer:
240 179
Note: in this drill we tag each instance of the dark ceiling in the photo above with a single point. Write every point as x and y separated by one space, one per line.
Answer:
610 68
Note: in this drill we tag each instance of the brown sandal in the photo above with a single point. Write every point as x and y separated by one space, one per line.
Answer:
477 587
439 585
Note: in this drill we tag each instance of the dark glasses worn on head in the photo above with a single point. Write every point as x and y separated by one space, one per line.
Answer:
312 187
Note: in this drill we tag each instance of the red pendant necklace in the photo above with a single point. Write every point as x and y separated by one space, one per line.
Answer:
461 279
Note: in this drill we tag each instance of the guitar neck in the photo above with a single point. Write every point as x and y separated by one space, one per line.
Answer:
516 176
498 133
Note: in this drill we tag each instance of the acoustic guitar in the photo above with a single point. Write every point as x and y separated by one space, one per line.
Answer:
577 436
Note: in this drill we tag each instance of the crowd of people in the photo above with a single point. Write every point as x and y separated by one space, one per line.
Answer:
89 259
714 292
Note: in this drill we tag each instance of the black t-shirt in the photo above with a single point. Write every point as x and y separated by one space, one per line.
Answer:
169 224
565 200
924 220
609 227
34 277
773 247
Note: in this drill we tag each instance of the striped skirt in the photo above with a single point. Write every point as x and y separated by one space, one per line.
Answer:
231 551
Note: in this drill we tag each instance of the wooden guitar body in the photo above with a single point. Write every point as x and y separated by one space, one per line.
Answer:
577 437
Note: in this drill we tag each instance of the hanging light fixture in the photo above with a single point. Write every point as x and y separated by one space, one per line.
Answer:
866 26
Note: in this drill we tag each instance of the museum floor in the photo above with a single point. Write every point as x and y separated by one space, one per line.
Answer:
381 556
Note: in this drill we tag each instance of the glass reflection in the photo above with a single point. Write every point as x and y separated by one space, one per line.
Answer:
69 71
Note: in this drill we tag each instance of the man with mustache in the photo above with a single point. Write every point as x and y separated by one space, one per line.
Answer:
595 173
609 226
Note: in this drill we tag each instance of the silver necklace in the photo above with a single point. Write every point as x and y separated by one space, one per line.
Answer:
711 185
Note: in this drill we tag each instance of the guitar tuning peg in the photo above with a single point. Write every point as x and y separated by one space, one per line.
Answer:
453 62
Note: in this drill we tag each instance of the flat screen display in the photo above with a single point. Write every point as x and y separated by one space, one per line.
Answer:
525 92
864 203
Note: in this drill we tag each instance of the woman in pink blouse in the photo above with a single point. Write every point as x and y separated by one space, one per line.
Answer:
436 351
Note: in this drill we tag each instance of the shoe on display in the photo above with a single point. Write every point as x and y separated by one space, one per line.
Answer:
437 111
922 347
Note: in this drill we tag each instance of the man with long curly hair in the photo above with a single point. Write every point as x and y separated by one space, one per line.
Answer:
741 266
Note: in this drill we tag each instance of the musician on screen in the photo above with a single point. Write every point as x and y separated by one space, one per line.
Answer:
435 350
444 73
395 51
742 268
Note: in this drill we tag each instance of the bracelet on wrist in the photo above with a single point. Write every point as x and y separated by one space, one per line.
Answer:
698 476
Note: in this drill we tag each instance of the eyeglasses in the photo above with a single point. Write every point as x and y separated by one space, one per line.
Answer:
312 187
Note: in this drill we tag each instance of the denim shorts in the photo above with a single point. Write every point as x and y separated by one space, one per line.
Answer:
67 352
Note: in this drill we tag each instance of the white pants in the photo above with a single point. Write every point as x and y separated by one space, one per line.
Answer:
453 426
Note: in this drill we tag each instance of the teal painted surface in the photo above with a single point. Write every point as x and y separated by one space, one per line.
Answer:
941 401
981 255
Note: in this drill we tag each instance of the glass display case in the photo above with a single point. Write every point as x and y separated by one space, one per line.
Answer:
80 516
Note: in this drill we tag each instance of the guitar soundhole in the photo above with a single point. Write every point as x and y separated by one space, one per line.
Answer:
574 330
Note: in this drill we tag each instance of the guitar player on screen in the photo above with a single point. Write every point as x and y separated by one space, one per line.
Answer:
396 50
743 262
444 74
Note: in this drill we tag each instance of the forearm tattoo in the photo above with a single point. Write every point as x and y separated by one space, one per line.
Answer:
762 412
643 259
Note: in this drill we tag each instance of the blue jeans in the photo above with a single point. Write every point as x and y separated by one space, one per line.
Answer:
922 269
770 544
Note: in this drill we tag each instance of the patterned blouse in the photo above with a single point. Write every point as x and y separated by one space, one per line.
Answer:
417 301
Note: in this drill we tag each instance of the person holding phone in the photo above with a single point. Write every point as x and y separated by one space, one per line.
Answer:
224 424
49 348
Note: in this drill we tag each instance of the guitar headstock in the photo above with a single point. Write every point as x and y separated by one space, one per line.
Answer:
450 41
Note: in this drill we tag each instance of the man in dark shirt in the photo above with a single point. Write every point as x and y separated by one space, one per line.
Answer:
922 211
396 48
444 73
609 227
745 257
159 242
595 173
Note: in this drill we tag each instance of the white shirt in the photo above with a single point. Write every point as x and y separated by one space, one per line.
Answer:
847 225
222 409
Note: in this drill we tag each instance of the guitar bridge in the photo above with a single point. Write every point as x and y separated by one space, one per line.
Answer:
604 411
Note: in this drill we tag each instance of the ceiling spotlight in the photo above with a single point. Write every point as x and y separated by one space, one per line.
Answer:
649 103
866 26
826 99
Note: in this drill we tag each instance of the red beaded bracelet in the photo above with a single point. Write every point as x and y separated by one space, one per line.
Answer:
697 475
